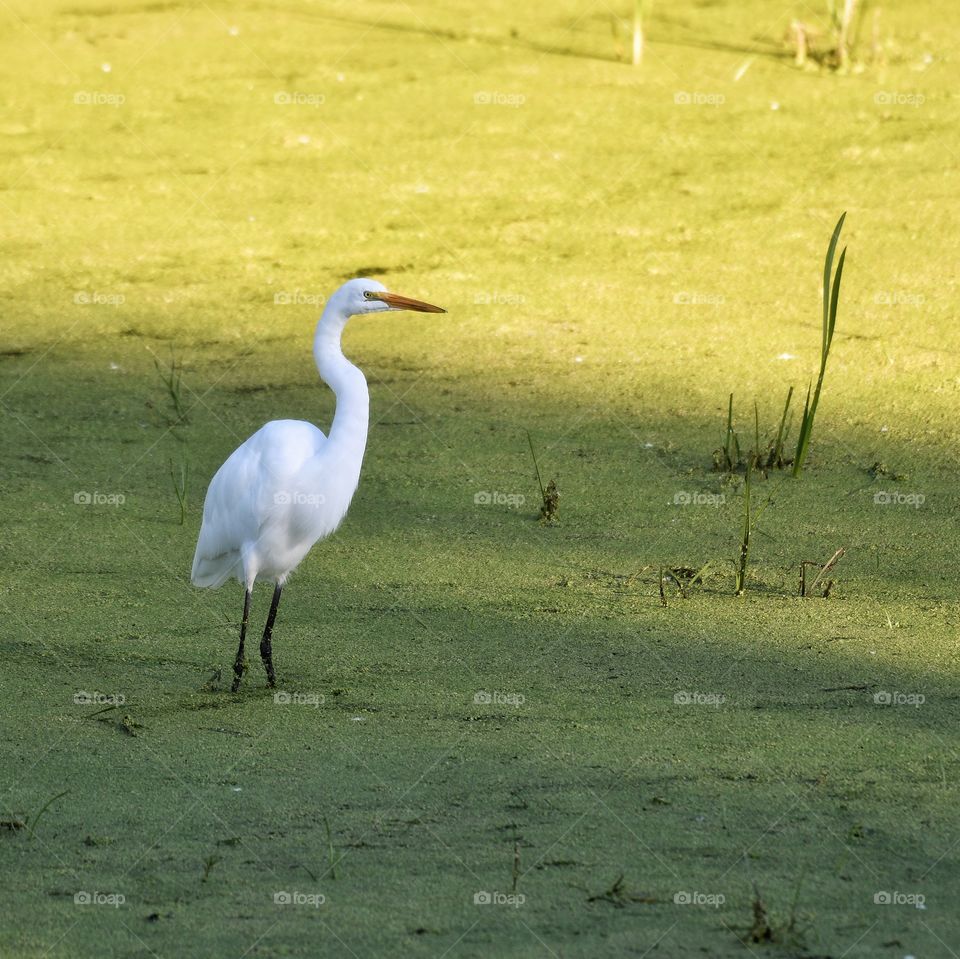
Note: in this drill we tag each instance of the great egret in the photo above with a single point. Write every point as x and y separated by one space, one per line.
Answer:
289 485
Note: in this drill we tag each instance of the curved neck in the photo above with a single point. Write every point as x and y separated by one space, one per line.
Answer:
348 432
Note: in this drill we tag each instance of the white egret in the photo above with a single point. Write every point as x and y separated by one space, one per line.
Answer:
289 485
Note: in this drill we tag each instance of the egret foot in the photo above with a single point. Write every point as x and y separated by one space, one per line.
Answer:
240 663
239 668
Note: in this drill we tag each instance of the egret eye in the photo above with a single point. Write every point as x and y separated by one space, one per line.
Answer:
368 294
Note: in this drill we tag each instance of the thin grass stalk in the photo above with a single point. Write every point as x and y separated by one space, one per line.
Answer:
745 538
756 431
831 297
776 458
731 447
180 487
536 466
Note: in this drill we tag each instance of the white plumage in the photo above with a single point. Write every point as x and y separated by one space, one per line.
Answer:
260 517
288 485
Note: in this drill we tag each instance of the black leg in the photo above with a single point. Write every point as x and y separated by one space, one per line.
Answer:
266 648
240 663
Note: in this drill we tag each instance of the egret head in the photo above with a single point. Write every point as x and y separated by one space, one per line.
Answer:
369 296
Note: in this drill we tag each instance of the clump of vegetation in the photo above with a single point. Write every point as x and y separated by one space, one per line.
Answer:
729 458
763 928
685 578
550 507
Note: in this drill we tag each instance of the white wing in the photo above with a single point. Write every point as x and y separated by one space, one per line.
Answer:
248 494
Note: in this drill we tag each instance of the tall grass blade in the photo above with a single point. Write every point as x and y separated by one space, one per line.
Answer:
827 275
831 299
835 297
536 466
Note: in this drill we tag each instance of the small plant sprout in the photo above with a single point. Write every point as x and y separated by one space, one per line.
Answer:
550 497
685 578
171 375
831 296
179 479
32 821
822 570
208 865
619 895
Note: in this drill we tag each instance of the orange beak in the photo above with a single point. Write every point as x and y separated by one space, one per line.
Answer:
397 302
